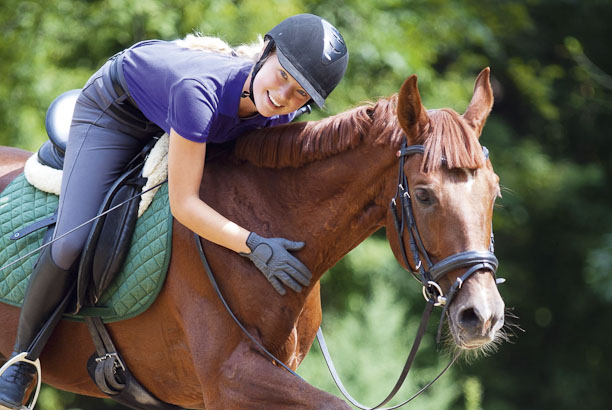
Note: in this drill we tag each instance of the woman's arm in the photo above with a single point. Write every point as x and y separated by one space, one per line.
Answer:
270 255
185 167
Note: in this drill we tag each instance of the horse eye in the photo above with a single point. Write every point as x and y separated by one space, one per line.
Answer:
422 195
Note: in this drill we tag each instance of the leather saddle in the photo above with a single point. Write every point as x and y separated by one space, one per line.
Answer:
110 235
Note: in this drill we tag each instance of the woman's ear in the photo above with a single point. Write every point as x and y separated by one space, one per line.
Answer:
482 102
411 114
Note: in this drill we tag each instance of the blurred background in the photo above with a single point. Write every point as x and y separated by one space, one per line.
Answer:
550 138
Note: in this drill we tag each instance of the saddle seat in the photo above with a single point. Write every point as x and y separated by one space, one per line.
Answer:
57 124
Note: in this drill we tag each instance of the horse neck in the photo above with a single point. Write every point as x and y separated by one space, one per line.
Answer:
331 204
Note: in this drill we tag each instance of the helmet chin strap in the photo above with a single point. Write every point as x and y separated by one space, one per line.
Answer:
256 69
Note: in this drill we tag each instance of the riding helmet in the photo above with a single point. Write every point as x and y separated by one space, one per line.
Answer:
311 50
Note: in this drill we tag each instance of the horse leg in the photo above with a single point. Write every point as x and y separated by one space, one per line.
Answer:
233 373
248 380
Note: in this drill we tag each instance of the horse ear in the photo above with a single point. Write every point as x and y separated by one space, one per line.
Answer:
410 111
482 102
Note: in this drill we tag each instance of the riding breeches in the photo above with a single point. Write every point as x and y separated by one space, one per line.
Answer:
107 131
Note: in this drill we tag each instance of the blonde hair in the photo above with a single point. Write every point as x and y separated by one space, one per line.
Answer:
199 41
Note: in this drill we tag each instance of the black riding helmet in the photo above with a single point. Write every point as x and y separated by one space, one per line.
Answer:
311 50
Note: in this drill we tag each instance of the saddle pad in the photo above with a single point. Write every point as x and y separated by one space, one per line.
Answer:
132 291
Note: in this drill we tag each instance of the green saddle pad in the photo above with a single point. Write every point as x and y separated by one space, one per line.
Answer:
131 292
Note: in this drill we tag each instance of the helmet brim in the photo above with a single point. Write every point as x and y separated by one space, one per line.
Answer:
301 79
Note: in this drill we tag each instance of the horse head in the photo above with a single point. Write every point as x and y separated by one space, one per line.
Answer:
451 192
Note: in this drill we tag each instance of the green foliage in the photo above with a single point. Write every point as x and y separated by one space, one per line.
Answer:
473 393
549 138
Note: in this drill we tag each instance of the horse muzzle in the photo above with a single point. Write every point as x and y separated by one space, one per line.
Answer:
477 313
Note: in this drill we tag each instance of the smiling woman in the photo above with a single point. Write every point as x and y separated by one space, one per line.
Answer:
275 92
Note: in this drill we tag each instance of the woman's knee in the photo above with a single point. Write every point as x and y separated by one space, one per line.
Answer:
65 252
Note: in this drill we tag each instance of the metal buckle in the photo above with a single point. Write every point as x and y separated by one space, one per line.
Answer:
117 363
22 357
439 300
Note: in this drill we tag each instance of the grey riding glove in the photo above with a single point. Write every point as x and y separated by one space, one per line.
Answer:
272 258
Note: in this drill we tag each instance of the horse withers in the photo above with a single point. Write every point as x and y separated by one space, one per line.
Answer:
327 183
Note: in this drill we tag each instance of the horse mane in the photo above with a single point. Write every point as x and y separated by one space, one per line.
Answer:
297 144
447 136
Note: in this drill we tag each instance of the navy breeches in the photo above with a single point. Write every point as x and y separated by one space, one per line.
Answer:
106 133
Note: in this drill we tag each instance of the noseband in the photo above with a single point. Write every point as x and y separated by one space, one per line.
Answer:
430 273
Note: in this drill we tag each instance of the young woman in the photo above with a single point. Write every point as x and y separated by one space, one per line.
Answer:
196 97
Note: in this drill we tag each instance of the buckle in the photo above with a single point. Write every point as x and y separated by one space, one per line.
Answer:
438 300
117 363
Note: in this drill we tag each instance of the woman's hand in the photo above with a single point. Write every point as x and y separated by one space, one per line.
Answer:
273 259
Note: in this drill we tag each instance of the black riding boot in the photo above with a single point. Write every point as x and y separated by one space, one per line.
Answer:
47 287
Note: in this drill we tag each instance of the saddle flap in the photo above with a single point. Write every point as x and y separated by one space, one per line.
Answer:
109 238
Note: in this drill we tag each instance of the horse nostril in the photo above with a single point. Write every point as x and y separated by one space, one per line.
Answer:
469 319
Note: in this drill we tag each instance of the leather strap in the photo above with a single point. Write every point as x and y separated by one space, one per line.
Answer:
108 360
211 277
398 384
42 223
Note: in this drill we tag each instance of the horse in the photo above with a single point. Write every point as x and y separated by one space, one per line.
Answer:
327 183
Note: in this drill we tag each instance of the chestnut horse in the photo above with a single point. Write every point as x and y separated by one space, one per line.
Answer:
327 183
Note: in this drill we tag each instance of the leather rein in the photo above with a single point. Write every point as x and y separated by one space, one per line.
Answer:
428 276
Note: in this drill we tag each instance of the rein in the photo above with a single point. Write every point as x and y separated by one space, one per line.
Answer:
428 276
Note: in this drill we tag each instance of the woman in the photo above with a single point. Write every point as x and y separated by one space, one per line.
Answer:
196 97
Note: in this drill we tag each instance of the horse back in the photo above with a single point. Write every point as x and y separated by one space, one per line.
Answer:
12 161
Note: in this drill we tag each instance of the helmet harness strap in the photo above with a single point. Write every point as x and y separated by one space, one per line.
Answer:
256 69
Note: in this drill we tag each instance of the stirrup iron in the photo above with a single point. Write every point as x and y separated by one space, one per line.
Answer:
22 357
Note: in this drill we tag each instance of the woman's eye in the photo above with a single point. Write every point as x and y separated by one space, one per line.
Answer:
283 74
302 93
422 196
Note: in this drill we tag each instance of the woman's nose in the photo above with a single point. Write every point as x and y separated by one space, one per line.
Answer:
286 93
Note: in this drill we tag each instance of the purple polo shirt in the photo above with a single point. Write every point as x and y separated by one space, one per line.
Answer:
197 93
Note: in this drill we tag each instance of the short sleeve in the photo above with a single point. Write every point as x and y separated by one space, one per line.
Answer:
192 108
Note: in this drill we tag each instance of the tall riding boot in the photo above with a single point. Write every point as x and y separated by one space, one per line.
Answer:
47 287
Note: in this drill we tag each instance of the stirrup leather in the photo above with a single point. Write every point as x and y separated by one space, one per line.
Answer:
22 357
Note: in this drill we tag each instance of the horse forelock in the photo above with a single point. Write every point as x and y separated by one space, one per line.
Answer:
297 144
449 141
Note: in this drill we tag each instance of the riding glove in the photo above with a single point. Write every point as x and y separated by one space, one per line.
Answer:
272 258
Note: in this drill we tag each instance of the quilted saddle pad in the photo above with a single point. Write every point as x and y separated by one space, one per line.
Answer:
132 291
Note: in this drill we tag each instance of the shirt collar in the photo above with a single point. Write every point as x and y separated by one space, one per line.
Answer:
230 101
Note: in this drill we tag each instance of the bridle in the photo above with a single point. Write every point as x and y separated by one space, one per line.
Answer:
428 276
430 273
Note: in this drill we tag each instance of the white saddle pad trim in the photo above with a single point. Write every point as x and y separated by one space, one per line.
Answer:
49 180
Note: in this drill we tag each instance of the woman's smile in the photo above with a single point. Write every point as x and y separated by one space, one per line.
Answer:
274 102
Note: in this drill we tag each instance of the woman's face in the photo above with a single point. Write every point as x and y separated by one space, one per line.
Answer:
275 91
